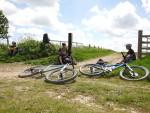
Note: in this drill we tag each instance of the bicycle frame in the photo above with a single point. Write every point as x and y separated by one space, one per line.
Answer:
54 67
61 67
115 66
118 65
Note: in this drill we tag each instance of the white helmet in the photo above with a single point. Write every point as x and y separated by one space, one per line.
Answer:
129 45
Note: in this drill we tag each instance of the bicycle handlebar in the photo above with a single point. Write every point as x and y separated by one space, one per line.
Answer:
123 55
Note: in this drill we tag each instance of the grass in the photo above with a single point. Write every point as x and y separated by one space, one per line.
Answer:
79 54
86 53
86 95
144 62
105 95
33 55
35 52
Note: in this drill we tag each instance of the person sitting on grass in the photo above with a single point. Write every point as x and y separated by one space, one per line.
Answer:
130 56
63 54
13 49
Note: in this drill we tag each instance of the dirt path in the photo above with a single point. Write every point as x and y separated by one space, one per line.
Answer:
113 58
11 70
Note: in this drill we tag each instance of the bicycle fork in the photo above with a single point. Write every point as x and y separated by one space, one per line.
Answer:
131 71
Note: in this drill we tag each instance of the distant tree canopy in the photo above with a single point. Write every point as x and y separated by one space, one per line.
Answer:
3 26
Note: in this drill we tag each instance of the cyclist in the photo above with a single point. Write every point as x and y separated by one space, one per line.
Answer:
13 49
46 40
63 53
130 54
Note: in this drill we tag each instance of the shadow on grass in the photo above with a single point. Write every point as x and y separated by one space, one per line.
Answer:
61 83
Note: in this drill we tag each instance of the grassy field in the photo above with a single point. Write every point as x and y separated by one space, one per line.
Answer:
79 54
86 95
144 61
107 94
86 53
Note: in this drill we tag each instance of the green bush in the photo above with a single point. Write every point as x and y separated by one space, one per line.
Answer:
35 52
28 49
34 49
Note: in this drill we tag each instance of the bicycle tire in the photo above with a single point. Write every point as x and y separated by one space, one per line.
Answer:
88 69
54 74
30 71
138 72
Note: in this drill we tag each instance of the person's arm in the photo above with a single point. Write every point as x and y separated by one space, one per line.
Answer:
128 53
131 53
60 56
60 60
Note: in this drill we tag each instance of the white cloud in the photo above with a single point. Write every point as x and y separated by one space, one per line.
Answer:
118 26
36 18
146 5
42 12
107 28
7 7
36 33
41 20
12 30
115 21
35 3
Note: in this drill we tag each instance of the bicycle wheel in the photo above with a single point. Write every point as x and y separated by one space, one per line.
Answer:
31 71
91 69
58 77
137 73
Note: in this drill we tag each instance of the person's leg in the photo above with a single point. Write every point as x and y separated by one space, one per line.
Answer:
14 51
11 52
128 59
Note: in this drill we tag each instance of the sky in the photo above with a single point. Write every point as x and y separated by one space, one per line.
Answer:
105 23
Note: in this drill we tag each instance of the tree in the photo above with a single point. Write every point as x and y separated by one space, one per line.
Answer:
4 27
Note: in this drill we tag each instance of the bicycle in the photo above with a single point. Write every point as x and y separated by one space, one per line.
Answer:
128 72
53 73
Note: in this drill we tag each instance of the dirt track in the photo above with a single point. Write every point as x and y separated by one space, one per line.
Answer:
113 58
11 70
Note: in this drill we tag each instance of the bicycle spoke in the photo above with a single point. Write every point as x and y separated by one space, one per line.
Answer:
91 69
58 76
137 73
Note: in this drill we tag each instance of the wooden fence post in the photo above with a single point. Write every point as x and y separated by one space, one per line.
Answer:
89 45
140 32
69 44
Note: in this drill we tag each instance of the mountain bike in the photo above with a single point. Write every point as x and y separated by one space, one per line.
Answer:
128 72
53 73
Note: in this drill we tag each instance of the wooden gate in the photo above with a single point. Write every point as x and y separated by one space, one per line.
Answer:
143 44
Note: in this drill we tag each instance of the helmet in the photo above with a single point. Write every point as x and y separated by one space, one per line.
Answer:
13 42
129 45
64 44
